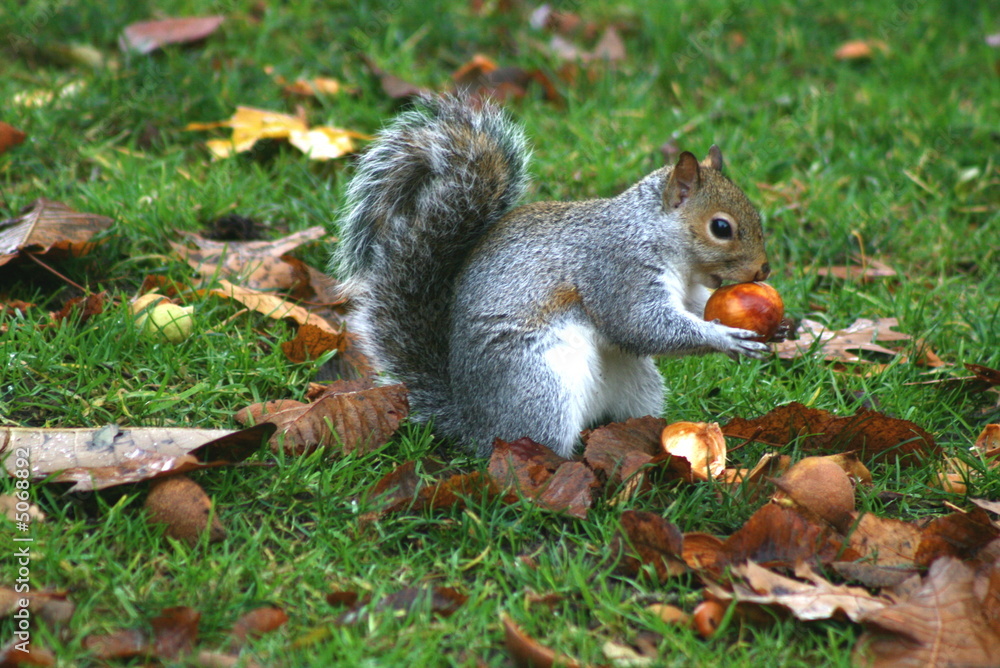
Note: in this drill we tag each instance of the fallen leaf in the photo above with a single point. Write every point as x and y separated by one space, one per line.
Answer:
523 465
392 85
526 652
47 227
569 490
99 458
250 125
148 36
270 305
345 421
812 600
174 632
540 475
885 542
406 488
80 308
868 270
950 620
775 536
646 539
257 265
440 601
182 505
960 534
9 503
30 654
610 48
608 447
842 345
256 623
310 343
52 606
872 434
10 137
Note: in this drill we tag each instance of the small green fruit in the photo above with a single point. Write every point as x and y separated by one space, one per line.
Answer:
167 321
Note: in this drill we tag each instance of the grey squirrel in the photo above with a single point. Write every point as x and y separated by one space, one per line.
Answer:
539 320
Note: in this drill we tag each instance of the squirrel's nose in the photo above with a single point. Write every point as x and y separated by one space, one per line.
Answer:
765 271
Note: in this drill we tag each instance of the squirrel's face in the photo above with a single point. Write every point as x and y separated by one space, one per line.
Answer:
724 233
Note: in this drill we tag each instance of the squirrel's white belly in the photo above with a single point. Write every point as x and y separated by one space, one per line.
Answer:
602 382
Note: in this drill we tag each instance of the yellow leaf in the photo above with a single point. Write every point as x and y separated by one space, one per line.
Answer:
323 143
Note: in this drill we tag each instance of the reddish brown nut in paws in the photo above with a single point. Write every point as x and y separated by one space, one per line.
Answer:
754 306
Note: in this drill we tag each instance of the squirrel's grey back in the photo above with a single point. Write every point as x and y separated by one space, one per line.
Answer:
424 194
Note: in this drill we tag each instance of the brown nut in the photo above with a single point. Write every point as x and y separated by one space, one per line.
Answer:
754 306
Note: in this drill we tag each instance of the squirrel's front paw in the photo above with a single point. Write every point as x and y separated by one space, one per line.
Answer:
741 342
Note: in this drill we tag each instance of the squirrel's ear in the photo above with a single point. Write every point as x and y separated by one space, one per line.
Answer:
684 181
714 158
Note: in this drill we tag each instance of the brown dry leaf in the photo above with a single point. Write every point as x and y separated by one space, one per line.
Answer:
608 447
949 620
842 345
959 534
249 125
10 137
984 373
310 343
256 623
406 488
174 633
83 308
270 305
874 435
257 265
815 599
148 36
344 420
8 508
646 539
441 601
30 653
569 490
820 486
541 475
52 606
700 443
523 465
526 652
49 228
886 542
868 270
610 47
182 505
775 536
99 458
392 85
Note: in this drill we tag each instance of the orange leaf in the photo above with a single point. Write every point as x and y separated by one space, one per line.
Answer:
10 137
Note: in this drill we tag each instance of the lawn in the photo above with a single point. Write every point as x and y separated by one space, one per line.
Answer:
890 156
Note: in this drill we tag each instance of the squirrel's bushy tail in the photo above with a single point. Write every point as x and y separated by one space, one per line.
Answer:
425 192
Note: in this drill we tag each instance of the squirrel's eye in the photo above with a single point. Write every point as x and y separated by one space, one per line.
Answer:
721 228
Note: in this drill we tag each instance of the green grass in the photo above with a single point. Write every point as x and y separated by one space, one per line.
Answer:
893 157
